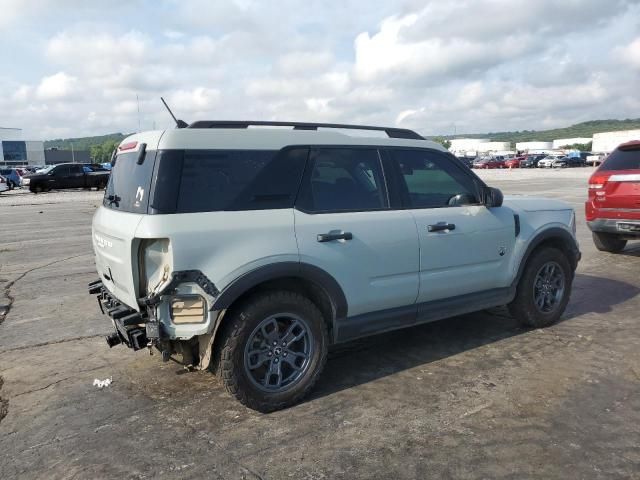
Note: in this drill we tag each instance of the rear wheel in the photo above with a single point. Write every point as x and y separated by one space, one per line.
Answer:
607 242
544 289
273 350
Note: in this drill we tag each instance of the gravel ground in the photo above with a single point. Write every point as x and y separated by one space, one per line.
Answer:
475 396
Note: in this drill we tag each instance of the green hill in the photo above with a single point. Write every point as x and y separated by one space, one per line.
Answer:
83 143
584 129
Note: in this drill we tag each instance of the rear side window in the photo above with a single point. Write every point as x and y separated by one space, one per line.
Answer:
343 179
431 180
189 181
129 183
627 159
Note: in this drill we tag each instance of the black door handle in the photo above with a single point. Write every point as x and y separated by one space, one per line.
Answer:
441 226
328 237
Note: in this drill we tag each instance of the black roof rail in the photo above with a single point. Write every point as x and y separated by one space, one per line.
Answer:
391 132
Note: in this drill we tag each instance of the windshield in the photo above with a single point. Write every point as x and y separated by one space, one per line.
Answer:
46 169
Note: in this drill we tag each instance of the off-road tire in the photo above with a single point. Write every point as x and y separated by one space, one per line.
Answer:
236 333
523 307
607 242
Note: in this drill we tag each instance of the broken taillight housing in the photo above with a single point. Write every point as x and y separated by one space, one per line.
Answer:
155 262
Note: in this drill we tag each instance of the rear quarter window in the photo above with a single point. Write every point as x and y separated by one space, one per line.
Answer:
189 181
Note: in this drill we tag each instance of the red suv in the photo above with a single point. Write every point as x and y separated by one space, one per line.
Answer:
613 207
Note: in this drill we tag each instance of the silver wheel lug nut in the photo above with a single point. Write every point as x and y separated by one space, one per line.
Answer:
275 343
284 354
269 354
276 360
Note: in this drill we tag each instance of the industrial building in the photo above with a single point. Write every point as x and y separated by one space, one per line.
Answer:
606 142
467 144
461 146
14 150
54 157
534 145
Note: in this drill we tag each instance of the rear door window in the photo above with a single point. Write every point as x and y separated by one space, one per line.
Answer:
343 179
622 159
61 171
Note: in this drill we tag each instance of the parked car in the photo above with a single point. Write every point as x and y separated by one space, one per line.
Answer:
249 251
12 177
515 162
565 162
595 160
547 162
94 167
488 162
532 160
65 175
613 207
4 186
467 161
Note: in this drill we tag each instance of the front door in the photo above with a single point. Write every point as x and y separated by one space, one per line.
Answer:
464 246
344 226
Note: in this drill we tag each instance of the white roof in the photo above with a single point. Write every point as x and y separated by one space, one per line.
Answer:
261 139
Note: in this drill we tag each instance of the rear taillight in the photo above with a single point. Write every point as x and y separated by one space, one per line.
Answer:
598 181
127 146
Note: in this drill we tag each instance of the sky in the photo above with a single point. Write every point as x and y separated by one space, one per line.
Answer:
72 68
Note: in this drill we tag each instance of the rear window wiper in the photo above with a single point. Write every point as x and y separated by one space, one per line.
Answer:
114 199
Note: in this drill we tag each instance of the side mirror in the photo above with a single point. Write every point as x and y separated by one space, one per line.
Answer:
492 197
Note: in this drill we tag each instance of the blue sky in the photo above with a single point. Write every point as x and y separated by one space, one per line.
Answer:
73 68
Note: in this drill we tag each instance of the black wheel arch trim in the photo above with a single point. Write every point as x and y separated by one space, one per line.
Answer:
554 233
275 271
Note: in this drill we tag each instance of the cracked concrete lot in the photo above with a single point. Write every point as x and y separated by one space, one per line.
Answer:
476 396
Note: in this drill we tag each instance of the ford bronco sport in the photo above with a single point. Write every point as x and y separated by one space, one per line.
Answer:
249 251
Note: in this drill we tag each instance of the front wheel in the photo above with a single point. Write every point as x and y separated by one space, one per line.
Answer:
273 350
607 242
544 289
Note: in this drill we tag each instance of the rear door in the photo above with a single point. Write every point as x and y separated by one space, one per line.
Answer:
59 177
464 246
76 176
344 225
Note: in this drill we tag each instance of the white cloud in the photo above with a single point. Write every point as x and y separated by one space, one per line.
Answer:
630 54
56 87
481 65
200 100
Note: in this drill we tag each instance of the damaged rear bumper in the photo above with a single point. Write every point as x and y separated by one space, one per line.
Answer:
135 329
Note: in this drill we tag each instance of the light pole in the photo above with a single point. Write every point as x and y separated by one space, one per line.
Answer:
73 156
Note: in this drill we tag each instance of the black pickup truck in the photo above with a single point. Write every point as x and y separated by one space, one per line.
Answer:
67 175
